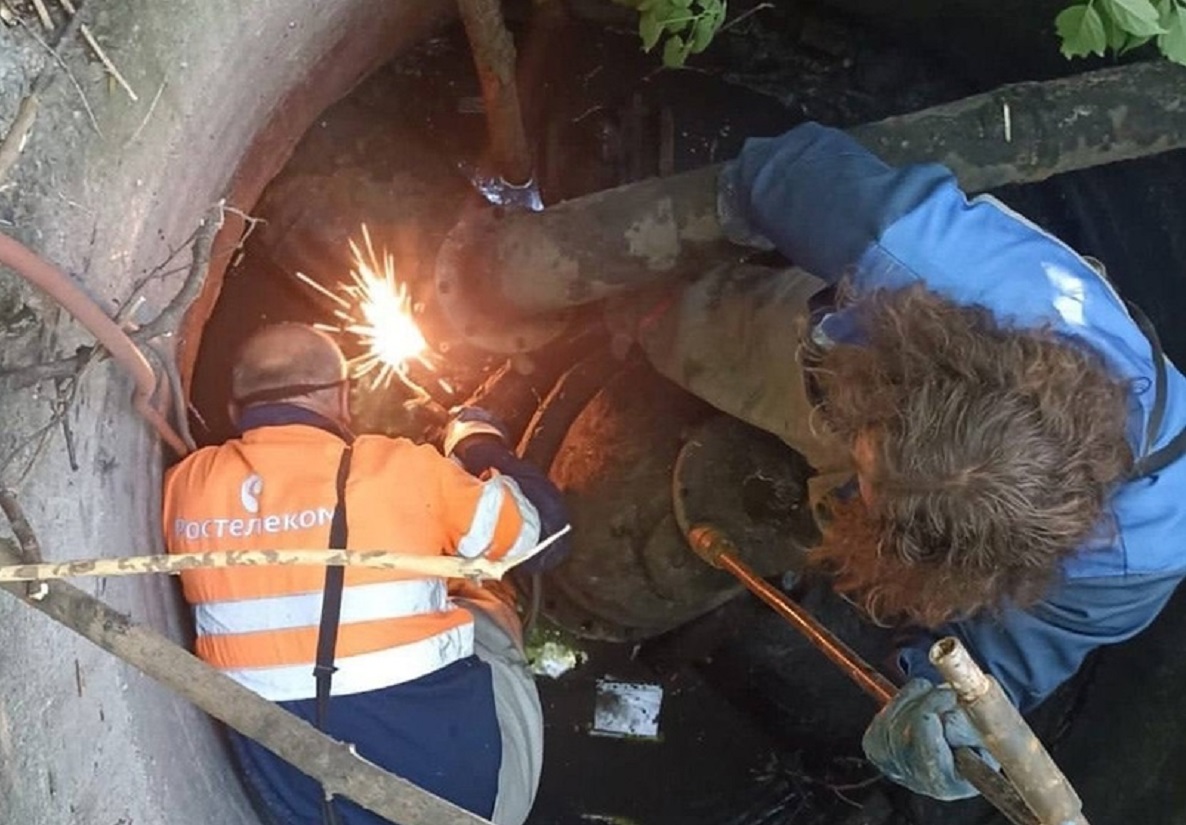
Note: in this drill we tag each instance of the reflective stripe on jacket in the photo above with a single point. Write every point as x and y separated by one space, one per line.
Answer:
274 489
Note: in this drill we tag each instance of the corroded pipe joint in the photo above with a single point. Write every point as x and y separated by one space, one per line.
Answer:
710 544
951 659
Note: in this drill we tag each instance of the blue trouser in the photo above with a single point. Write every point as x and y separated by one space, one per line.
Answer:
439 732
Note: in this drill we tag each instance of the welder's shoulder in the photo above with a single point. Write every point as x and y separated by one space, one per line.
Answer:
380 452
198 465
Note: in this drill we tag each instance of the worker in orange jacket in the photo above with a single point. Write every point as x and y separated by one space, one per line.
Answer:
427 677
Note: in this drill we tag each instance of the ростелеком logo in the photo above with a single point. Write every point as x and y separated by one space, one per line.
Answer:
249 493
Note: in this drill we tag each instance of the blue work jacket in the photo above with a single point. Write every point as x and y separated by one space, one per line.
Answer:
836 210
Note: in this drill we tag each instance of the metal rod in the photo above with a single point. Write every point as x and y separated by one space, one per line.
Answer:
715 548
1008 738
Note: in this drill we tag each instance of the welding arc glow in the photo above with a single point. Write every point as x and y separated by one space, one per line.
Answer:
376 309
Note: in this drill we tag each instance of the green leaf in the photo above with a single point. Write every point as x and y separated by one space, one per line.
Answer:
649 29
1173 42
1115 36
1081 31
675 25
682 4
1137 17
1131 43
702 33
674 52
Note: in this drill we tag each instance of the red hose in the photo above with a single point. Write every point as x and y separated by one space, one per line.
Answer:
55 283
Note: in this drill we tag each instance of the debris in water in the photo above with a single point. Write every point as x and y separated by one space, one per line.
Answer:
627 709
554 659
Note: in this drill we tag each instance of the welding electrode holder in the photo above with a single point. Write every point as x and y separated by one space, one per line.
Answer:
1006 735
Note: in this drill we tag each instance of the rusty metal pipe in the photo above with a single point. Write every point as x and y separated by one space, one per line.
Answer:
1008 738
57 284
711 545
510 267
494 58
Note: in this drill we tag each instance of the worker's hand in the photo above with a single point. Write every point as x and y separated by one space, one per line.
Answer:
731 210
469 422
913 738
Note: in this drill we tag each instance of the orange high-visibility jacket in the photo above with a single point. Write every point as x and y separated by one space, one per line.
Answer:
274 489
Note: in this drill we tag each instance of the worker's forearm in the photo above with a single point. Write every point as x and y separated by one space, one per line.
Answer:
479 454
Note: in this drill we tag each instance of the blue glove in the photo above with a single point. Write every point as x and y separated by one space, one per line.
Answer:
470 421
912 740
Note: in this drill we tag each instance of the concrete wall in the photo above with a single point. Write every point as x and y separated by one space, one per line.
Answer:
84 739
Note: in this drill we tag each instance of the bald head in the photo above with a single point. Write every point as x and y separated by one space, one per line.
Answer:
286 355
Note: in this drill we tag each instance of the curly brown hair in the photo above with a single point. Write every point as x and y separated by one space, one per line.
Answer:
994 452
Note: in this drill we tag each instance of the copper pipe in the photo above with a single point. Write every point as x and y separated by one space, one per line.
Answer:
707 541
711 545
58 285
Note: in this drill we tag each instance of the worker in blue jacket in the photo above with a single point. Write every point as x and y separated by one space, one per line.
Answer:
1014 429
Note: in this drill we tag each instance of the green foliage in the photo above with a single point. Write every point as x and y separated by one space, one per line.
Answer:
689 25
1120 26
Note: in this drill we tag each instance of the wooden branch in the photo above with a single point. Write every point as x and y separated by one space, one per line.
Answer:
43 14
30 547
445 567
333 764
14 140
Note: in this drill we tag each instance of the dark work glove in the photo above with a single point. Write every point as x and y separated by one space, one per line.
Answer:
912 740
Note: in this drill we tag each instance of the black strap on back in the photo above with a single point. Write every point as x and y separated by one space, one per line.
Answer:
1157 460
331 614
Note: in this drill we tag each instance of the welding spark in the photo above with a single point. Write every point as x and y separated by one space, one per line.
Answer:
376 310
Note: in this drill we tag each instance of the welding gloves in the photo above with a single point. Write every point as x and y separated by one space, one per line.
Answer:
493 452
912 740
471 421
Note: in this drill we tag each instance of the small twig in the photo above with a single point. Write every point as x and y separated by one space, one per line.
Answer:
43 15
40 437
43 79
89 37
741 17
30 547
14 142
111 68
180 403
587 112
151 108
165 323
252 222
67 431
